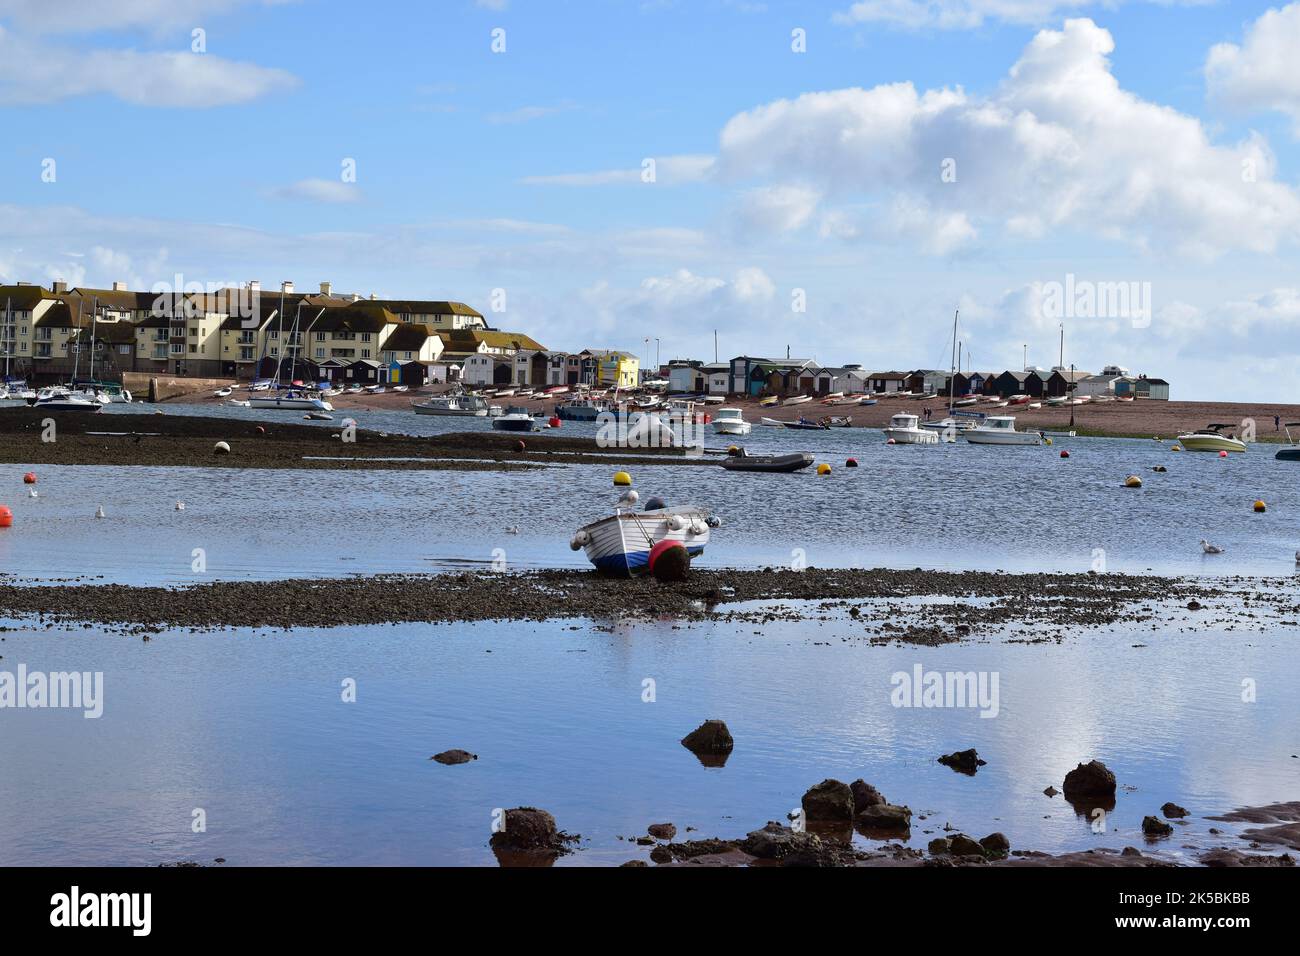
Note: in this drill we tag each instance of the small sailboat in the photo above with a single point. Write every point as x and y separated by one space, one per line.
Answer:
1292 450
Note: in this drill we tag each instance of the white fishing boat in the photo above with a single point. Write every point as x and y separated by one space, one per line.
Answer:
56 402
515 419
731 421
465 406
290 399
904 430
1210 439
797 400
1001 430
771 422
621 544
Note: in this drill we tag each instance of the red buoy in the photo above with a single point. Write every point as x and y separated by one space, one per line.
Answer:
520 446
29 478
554 421
6 517
1064 453
669 561
261 430
851 463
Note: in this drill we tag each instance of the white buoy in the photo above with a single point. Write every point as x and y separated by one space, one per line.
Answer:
33 494
180 506
99 513
629 497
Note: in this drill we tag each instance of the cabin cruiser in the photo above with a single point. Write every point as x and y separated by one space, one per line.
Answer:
1001 430
291 399
516 419
468 406
1210 439
731 421
63 401
904 430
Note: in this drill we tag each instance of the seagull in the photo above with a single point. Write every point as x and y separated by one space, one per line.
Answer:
1210 548
1297 557
629 497
180 506
99 513
33 494
513 529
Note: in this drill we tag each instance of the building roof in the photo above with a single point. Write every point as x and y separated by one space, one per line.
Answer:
888 376
24 297
408 337
469 340
57 316
426 307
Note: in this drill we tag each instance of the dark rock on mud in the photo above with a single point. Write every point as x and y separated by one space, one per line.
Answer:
1222 857
662 831
865 795
963 761
885 816
1092 779
996 844
453 757
1173 811
635 863
828 802
962 845
530 830
1155 827
940 846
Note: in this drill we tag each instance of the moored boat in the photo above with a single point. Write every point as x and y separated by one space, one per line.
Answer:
516 419
464 406
730 421
904 430
1001 430
776 464
621 544
797 400
1210 439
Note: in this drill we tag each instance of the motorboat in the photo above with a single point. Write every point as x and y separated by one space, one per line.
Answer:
581 410
804 424
621 544
769 402
465 406
868 401
516 419
1211 439
1292 451
904 430
771 422
730 421
65 402
778 464
839 421
949 428
1001 430
291 399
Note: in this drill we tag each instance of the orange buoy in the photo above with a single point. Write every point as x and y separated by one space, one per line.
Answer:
669 561
554 421
1260 507
29 478
6 517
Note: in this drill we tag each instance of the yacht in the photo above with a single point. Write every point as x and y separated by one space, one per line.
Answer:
291 399
1001 430
904 430
1210 439
67 402
730 421
516 419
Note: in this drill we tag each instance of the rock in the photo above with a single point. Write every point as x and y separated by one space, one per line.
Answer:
963 761
962 845
711 737
865 795
1130 851
1173 811
645 841
774 841
1155 827
661 854
532 830
1092 779
662 831
634 863
829 802
939 846
996 844
452 757
1051 791
885 816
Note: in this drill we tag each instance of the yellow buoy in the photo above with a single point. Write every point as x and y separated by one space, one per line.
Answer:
622 478
1132 481
1047 441
1260 506
1175 447
823 469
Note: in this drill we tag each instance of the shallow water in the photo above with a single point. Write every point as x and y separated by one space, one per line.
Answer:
252 729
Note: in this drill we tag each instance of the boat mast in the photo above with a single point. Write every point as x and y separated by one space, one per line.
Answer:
9 343
76 355
94 314
952 371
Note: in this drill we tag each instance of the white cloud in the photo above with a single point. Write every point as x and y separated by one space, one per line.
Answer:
777 208
492 4
1262 73
33 73
319 190
968 14
1059 147
88 16
668 170
526 114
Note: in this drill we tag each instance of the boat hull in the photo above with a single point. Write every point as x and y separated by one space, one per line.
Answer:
1288 454
450 412
1211 443
912 436
769 464
981 436
620 544
291 404
731 428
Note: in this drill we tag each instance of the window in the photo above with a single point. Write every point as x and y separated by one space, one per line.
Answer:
194 333
177 348
408 355
365 336
320 336
246 354
194 349
320 353
124 350
365 353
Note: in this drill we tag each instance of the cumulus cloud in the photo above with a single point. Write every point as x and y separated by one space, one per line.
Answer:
965 14
88 16
1260 73
32 73
1058 147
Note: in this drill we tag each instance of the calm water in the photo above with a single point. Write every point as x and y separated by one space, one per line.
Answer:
251 728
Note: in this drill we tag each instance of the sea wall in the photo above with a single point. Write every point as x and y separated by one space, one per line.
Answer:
159 388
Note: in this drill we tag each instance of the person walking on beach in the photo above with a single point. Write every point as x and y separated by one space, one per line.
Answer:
1277 423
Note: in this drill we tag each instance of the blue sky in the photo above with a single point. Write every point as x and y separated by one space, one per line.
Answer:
1101 141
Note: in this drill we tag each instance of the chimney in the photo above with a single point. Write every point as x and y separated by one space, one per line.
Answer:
286 287
324 288
119 286
255 286
59 286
